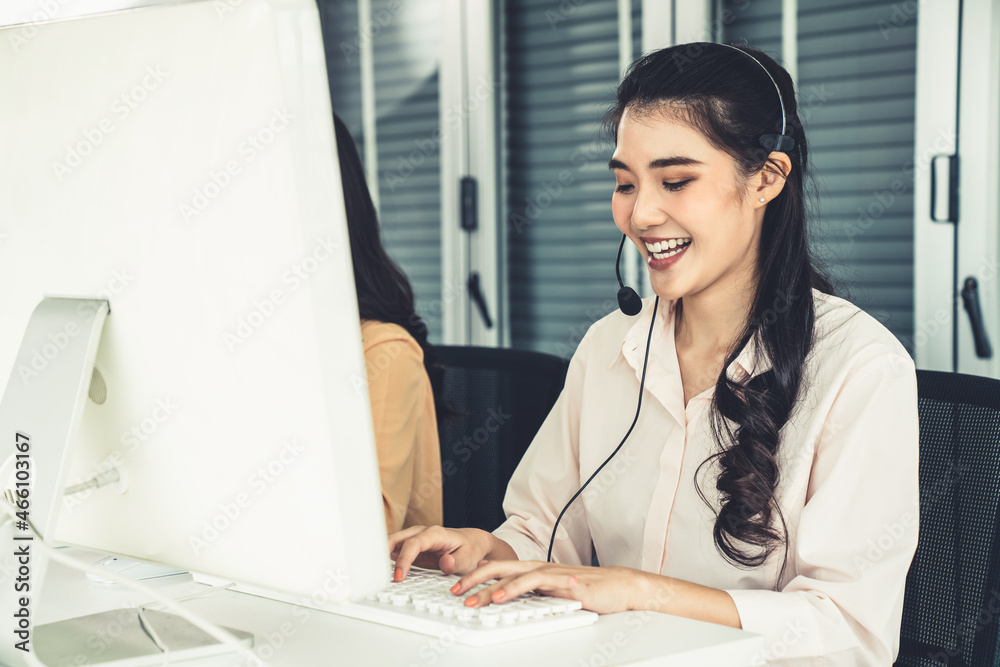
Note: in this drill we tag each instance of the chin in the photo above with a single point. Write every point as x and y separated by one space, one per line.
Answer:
668 290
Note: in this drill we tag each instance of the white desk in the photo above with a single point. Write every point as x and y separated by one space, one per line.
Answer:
301 637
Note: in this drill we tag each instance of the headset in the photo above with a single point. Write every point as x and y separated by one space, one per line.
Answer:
774 142
630 303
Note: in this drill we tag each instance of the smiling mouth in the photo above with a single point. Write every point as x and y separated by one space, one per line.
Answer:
669 248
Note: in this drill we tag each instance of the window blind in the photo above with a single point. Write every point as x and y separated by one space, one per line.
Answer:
856 99
561 70
405 42
342 43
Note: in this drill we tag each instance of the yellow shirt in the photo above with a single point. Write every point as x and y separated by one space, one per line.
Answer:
406 436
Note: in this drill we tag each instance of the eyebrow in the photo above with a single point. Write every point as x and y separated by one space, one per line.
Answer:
658 163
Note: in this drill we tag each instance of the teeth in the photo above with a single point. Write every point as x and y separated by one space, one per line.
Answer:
666 246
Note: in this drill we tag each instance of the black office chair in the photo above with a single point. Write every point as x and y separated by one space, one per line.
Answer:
952 600
498 399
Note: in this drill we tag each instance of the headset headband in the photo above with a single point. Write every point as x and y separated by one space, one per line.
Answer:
772 142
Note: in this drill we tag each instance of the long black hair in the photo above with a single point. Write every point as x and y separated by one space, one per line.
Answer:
732 101
384 292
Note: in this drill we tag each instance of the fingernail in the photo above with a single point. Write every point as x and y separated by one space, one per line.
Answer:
456 588
499 596
398 575
471 602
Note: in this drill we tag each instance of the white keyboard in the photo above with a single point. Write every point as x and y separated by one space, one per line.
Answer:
423 603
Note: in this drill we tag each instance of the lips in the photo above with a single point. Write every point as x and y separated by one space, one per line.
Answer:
665 253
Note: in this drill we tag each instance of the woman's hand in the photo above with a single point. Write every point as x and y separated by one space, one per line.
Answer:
602 589
451 550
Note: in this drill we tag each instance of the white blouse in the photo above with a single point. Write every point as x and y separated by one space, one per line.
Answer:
848 483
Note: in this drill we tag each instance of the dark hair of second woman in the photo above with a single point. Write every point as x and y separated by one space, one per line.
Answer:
730 99
384 292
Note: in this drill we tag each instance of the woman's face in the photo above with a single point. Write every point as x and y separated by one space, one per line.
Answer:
678 198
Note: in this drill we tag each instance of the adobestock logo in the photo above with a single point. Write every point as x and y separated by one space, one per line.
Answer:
265 308
247 151
47 10
230 511
41 357
58 340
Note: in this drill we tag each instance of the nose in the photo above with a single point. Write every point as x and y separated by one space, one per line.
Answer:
647 212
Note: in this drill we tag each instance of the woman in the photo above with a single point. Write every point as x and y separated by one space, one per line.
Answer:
398 359
770 481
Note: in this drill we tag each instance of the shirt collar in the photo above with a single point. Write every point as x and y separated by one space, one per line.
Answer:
663 376
634 344
752 360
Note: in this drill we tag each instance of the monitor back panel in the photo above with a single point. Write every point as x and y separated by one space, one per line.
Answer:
180 162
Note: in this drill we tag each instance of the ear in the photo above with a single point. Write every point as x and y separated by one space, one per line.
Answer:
769 180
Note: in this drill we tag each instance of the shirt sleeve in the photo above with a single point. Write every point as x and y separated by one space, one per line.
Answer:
858 529
546 478
395 373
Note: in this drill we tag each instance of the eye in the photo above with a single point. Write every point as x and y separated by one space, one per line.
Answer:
624 189
675 186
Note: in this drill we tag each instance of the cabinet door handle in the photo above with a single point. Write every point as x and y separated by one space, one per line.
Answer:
970 299
477 297
469 203
944 188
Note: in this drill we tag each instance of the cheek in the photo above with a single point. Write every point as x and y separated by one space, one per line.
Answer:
741 226
621 210
723 223
729 239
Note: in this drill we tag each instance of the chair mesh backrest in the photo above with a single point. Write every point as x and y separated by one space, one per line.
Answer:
952 599
503 396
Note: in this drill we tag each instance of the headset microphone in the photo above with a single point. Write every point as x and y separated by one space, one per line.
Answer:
628 300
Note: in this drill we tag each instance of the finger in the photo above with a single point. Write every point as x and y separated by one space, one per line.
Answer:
548 581
426 548
432 540
462 560
448 563
491 594
429 560
400 536
495 569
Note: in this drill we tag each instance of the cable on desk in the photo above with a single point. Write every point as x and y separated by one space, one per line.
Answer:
206 626
150 631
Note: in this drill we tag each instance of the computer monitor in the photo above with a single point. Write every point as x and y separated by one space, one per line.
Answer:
180 162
